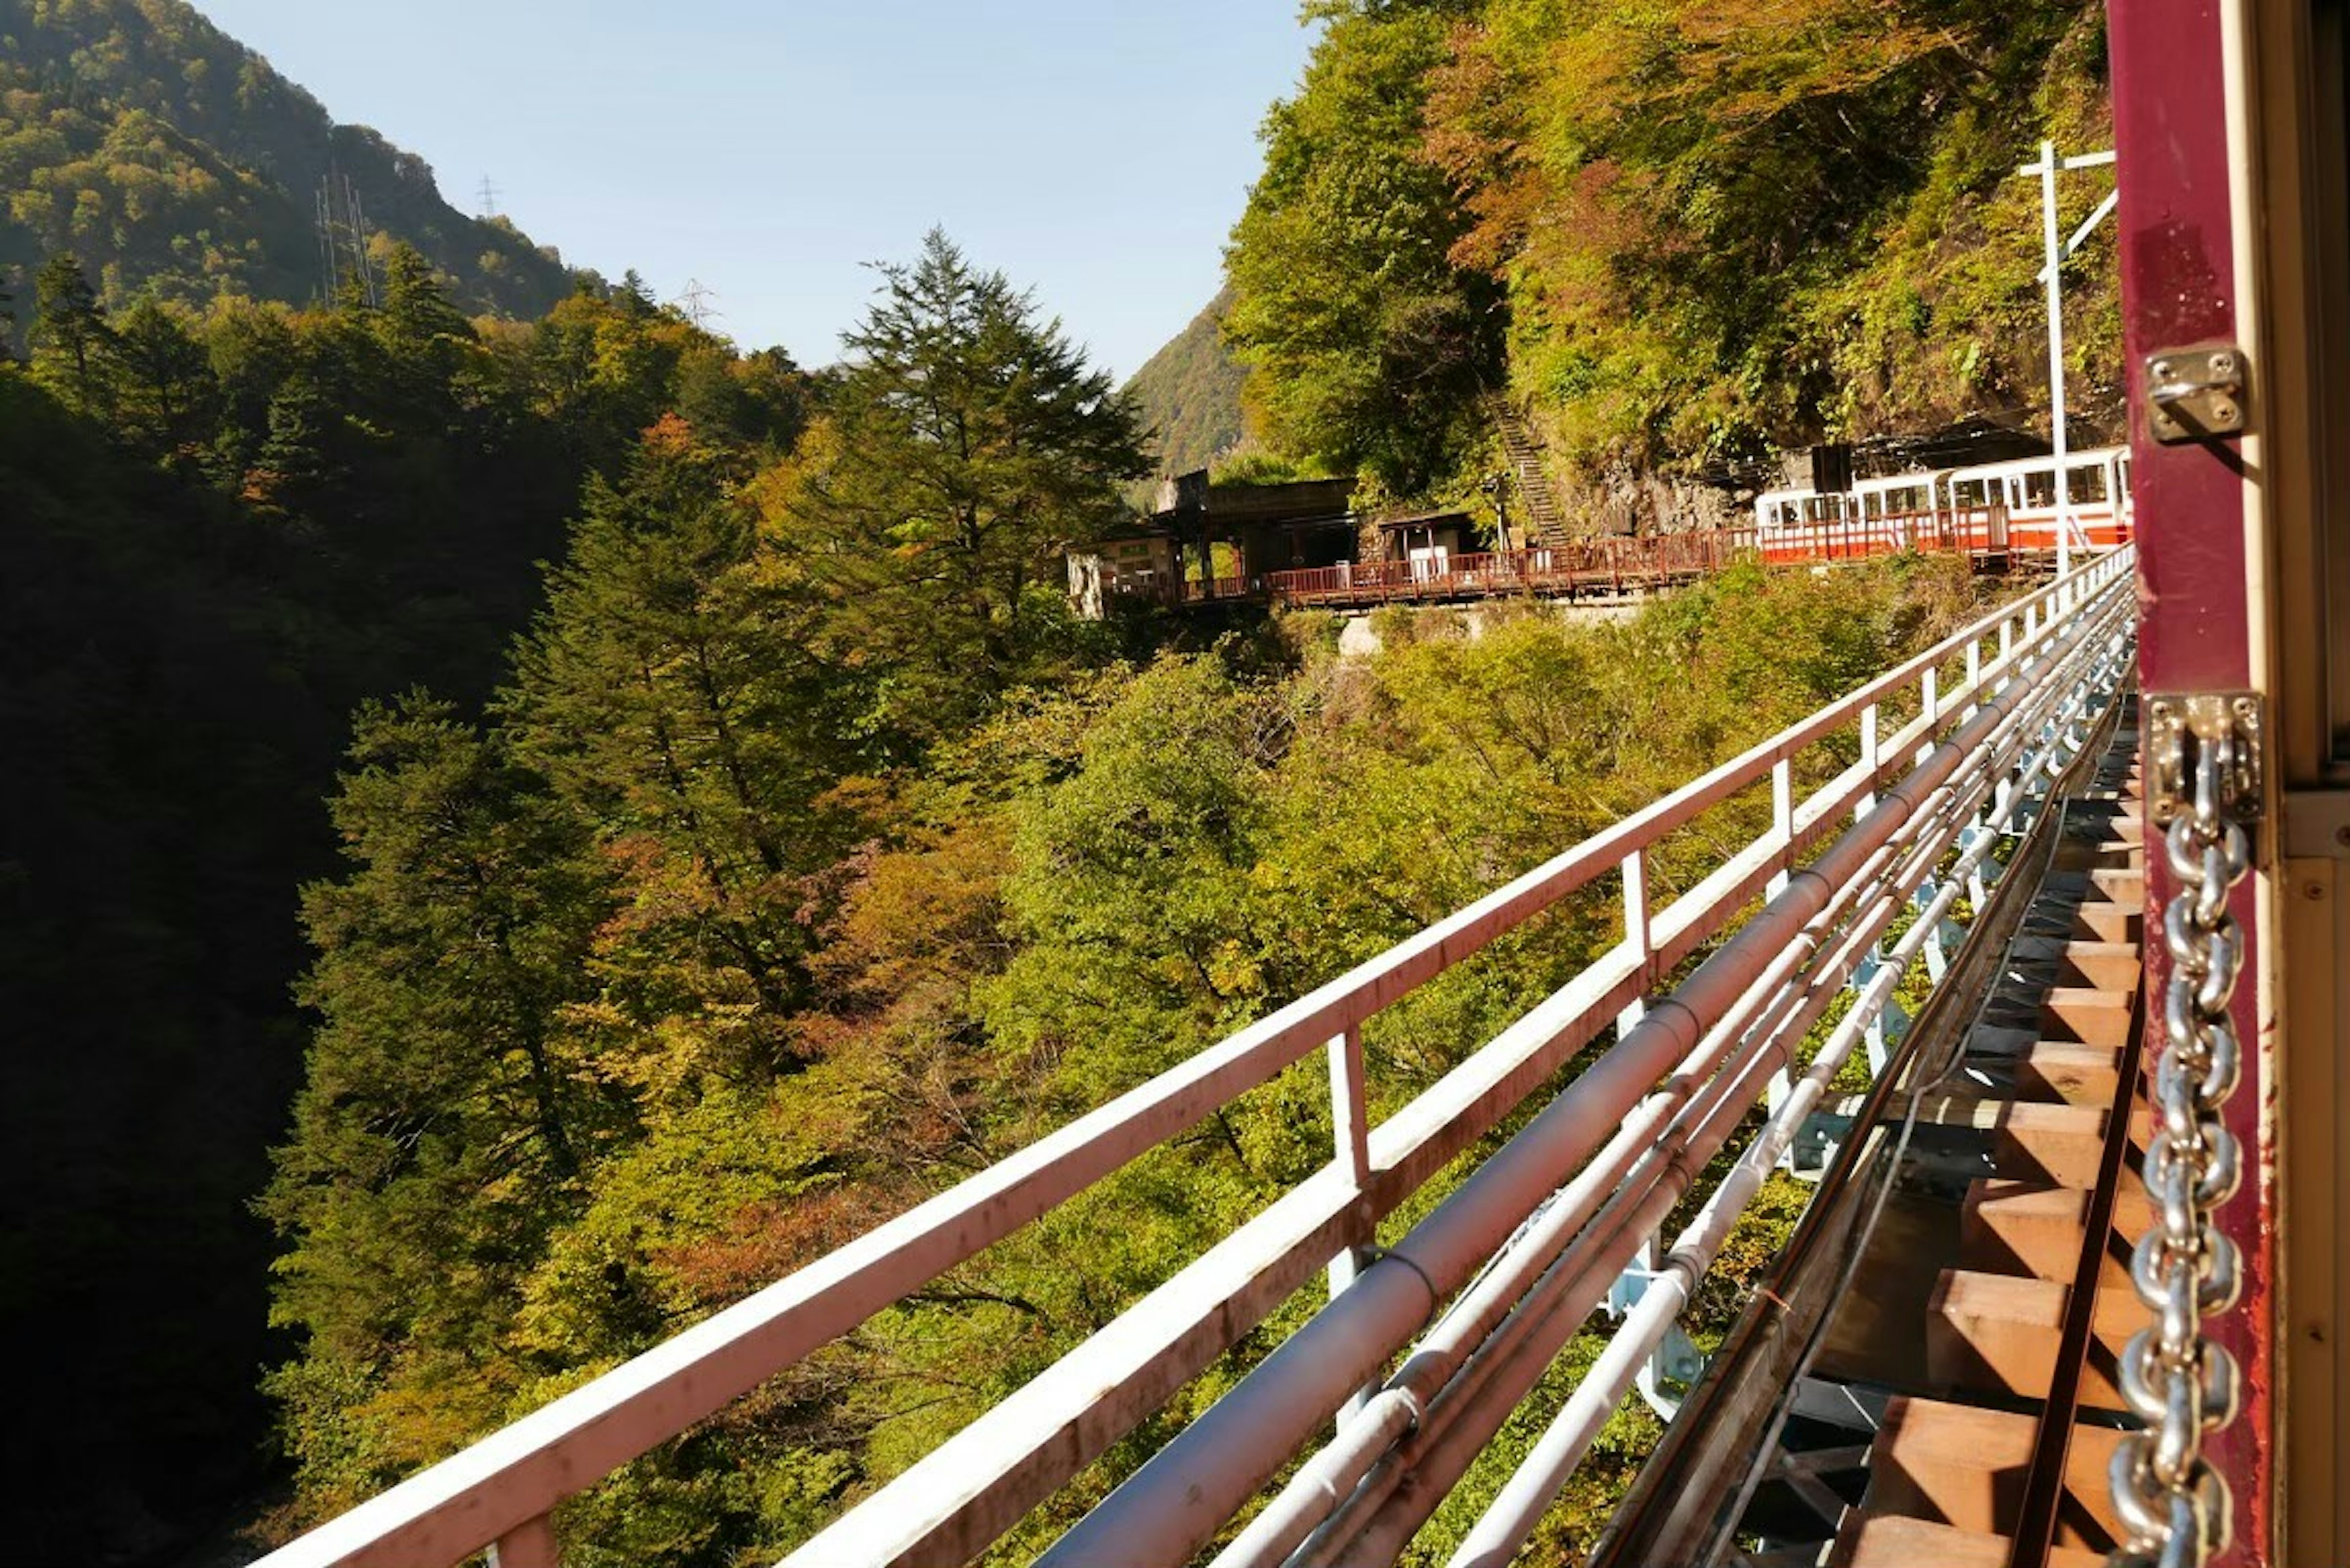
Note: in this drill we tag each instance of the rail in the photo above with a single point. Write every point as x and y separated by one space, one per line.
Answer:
2011 673
1611 565
1977 531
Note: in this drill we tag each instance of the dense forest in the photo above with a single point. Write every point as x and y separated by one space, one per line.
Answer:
702 954
1676 237
1188 394
175 162
224 531
543 820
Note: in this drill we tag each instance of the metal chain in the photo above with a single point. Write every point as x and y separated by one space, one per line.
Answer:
2175 1508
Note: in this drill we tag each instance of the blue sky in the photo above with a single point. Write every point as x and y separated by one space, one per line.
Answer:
1098 152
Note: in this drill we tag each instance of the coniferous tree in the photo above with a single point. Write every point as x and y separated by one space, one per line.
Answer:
70 335
970 448
163 380
447 1119
424 336
669 690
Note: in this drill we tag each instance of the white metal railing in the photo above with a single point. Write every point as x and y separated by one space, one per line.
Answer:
501 1491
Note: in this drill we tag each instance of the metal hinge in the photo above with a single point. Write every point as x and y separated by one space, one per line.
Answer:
2196 393
2179 724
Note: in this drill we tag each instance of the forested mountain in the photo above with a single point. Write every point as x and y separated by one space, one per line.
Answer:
1189 394
219 536
1676 235
171 159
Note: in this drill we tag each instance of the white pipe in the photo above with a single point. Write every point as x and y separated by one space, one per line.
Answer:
1511 1517
1436 1455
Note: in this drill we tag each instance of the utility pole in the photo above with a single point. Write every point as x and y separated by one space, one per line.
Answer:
2045 171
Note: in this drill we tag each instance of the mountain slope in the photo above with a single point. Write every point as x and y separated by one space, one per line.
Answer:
1190 394
165 154
1680 237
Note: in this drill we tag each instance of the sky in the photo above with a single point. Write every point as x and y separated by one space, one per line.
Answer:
1097 150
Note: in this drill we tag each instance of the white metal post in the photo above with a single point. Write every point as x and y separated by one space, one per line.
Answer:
1636 937
2046 170
2056 355
1350 1131
1782 817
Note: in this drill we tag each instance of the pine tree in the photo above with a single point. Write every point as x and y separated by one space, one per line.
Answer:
423 334
447 1119
971 448
669 690
163 377
71 334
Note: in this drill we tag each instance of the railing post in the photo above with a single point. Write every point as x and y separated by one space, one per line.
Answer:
1870 757
1974 677
1350 1128
530 1545
1636 936
1783 818
1350 1132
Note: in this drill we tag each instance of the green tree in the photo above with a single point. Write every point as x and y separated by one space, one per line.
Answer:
70 335
163 378
970 447
669 690
426 337
1369 346
447 1119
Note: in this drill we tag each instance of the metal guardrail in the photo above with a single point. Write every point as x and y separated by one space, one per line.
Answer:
1609 564
2014 664
1974 531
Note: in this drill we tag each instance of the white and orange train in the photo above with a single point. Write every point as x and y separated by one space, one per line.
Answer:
1993 508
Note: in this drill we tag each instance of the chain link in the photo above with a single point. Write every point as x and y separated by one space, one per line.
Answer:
2175 1508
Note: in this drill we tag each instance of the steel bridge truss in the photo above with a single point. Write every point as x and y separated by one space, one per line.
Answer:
1429 1342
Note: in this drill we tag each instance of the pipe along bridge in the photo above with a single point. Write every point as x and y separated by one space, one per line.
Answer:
1713 1042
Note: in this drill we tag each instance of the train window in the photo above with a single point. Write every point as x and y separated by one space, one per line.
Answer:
2088 486
2039 487
1970 492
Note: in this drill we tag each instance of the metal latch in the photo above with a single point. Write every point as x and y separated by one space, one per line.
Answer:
2180 725
2196 394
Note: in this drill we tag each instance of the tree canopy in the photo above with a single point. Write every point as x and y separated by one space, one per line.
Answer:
1678 237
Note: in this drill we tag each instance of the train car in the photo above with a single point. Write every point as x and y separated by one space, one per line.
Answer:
1807 525
2026 489
1990 509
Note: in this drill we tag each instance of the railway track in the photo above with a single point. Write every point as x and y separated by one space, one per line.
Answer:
1929 1376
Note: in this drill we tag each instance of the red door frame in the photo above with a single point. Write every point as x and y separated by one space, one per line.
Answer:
2178 225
